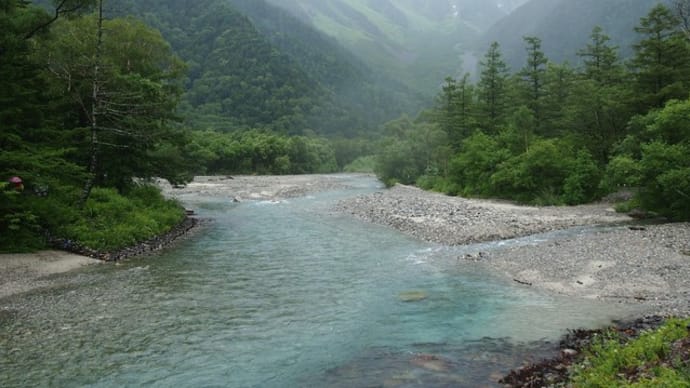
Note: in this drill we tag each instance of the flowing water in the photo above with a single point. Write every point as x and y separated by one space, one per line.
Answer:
282 294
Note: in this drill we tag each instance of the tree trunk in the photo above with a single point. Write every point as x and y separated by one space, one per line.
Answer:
95 106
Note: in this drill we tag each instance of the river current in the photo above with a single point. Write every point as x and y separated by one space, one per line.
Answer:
283 294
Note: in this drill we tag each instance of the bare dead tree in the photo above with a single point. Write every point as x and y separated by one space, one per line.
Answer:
95 108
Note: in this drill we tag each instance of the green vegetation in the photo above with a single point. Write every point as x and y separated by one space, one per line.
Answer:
250 152
657 358
416 42
110 221
554 134
87 104
93 103
253 65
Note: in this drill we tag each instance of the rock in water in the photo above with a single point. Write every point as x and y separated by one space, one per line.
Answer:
413 296
430 362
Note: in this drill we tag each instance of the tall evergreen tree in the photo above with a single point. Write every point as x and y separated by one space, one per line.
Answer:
601 62
533 77
491 89
458 109
660 65
597 113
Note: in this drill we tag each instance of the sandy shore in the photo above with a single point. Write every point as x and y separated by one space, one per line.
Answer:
648 267
28 271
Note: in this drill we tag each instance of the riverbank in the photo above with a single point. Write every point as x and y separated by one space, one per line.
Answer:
646 266
25 272
22 272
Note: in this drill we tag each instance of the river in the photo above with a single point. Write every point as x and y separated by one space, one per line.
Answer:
282 294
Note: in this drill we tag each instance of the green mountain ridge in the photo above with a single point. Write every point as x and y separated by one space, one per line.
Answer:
417 42
564 27
253 65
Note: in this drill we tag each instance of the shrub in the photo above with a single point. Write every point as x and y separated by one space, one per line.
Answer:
363 164
111 221
643 362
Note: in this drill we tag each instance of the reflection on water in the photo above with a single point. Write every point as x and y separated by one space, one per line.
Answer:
282 294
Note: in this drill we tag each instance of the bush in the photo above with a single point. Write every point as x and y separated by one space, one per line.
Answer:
363 164
582 183
647 358
471 170
666 180
112 221
542 169
622 171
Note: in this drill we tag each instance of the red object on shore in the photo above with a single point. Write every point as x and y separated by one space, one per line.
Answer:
17 182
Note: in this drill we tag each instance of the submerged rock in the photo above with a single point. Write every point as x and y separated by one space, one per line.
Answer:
413 296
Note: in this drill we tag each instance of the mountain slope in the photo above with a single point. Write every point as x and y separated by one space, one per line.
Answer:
419 42
245 74
565 26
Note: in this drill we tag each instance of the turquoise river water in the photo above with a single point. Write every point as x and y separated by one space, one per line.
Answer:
283 294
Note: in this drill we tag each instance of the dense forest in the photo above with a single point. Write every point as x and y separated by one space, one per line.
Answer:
556 134
99 97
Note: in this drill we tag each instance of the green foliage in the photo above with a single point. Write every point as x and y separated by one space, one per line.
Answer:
251 152
610 363
660 61
472 168
543 168
254 65
411 150
665 171
582 183
111 221
621 172
565 135
363 164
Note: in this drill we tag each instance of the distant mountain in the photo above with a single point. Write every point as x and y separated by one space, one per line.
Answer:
253 65
565 26
418 41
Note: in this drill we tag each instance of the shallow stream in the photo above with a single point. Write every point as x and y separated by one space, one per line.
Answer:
282 294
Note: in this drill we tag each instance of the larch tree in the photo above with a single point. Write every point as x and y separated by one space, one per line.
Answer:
491 89
533 77
660 62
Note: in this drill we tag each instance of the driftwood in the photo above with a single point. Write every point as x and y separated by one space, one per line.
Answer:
521 282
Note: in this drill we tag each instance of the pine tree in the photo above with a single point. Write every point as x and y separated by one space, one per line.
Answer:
533 77
491 89
600 60
660 65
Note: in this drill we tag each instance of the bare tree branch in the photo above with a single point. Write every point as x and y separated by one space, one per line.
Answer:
60 9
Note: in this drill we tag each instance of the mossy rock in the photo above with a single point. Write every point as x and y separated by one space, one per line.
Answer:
413 296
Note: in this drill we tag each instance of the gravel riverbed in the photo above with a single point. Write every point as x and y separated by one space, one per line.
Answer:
647 265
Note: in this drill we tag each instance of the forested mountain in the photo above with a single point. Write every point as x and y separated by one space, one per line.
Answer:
550 133
564 25
419 42
253 65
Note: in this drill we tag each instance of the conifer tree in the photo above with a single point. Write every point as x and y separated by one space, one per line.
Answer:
660 62
491 89
533 77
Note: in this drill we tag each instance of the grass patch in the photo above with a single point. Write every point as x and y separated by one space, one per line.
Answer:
111 221
659 358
